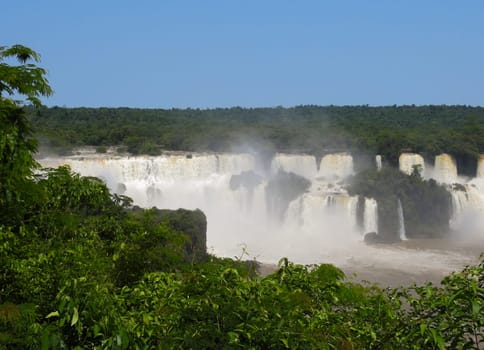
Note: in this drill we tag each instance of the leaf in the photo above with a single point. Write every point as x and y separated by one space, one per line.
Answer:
96 330
438 339
45 341
146 318
75 317
423 328
373 336
476 308
53 314
233 337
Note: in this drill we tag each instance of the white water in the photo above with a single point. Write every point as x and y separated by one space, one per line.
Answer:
370 217
378 162
336 166
480 167
459 200
319 226
401 222
407 161
467 199
445 169
239 216
303 165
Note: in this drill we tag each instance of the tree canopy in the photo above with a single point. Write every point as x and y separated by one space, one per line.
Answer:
386 130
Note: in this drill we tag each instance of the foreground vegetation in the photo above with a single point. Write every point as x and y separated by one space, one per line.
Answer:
81 269
81 289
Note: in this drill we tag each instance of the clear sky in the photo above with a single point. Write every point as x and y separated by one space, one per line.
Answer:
222 53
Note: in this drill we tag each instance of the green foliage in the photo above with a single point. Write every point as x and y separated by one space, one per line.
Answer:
426 205
158 302
215 306
139 145
18 325
74 254
193 225
446 317
25 79
16 143
387 130
68 192
151 245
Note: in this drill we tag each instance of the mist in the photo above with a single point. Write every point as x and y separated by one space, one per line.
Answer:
298 208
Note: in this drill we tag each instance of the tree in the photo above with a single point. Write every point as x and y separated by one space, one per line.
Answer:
26 79
17 145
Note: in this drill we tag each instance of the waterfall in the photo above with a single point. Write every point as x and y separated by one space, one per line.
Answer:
401 221
344 205
407 161
480 166
351 208
378 162
458 201
370 216
319 219
445 169
475 195
337 165
330 202
300 164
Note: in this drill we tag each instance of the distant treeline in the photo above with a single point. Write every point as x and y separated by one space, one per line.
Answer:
387 130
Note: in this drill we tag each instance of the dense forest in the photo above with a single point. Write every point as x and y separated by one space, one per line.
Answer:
428 130
81 268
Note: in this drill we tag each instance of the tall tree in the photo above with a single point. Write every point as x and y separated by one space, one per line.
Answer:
20 84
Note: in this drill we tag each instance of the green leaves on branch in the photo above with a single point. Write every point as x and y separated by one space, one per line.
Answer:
25 79
17 145
448 317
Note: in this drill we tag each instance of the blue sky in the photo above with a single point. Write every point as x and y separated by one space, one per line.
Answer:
252 53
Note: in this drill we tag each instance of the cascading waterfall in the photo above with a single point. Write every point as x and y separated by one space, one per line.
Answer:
370 216
378 162
401 221
459 199
310 231
480 167
319 225
407 162
475 195
168 181
237 212
467 196
336 166
303 165
344 204
445 169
